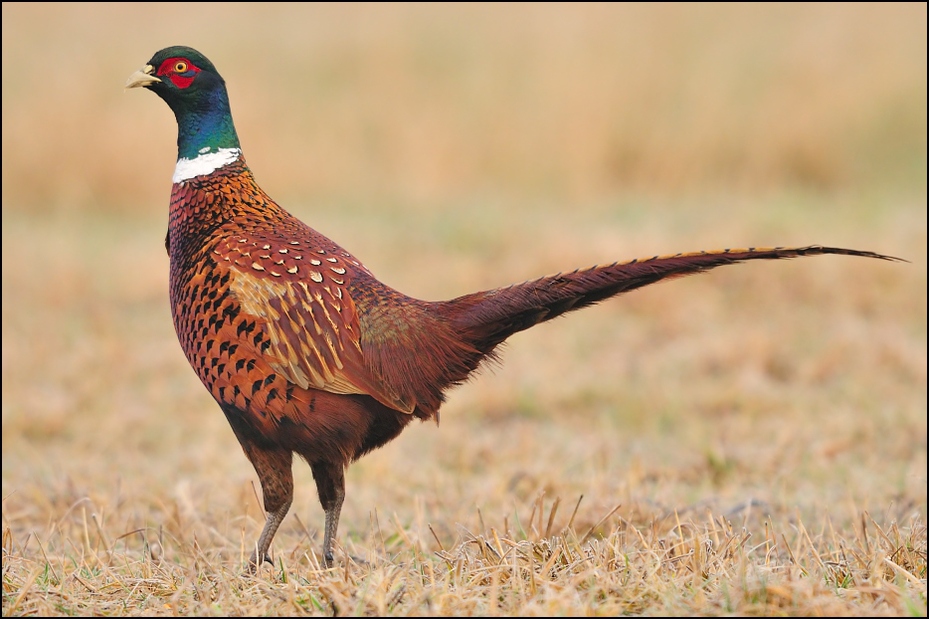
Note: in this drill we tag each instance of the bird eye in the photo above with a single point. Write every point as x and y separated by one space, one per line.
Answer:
180 67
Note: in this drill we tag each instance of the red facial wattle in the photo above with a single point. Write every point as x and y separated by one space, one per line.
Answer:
180 71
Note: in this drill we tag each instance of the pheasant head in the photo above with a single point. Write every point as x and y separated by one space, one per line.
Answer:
196 93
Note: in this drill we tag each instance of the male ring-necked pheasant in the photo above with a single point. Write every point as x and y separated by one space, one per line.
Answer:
303 348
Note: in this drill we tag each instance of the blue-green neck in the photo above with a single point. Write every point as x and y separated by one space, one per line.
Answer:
206 126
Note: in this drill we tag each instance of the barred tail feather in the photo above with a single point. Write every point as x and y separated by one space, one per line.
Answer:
487 318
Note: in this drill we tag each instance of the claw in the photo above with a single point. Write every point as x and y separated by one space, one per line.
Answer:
253 565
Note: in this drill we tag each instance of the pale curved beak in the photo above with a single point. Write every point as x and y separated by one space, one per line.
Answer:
142 77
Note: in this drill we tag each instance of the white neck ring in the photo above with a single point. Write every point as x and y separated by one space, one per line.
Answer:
204 164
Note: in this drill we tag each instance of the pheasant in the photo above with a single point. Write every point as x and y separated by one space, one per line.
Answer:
304 350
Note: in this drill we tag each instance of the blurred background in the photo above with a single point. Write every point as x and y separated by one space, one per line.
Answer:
435 103
458 147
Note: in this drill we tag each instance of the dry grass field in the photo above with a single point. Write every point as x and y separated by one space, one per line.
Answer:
747 442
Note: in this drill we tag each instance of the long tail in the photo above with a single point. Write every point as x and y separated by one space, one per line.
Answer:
485 319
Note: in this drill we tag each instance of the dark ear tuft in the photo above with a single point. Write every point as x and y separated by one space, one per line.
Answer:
183 51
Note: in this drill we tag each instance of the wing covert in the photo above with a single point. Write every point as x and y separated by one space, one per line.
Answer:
311 332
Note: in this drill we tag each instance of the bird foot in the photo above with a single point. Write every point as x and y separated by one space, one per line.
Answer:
329 561
253 564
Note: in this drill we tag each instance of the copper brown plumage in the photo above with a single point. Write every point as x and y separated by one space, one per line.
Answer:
303 348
